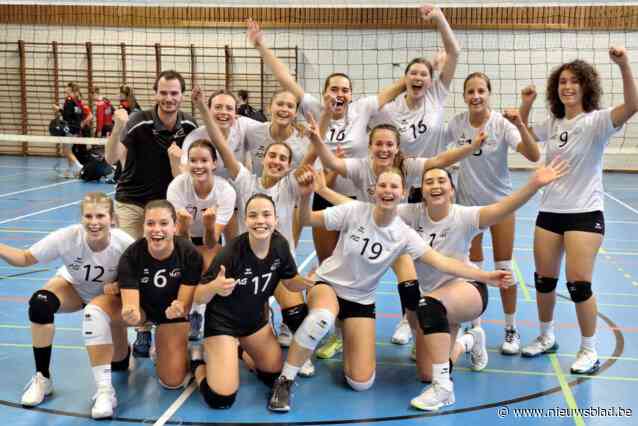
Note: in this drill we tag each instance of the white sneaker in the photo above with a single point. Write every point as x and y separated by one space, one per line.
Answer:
402 333
104 403
307 369
541 345
37 390
413 352
285 336
512 342
434 397
587 362
478 352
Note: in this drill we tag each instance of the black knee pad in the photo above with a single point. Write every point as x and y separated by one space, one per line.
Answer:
544 284
294 316
409 294
42 306
123 364
267 378
579 291
215 400
432 316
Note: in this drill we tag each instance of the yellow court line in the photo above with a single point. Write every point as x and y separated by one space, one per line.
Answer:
521 281
567 391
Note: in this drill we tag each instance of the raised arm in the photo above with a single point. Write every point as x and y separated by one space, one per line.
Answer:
497 212
216 136
278 68
388 93
528 96
321 188
328 159
16 257
621 113
114 149
454 155
528 146
451 45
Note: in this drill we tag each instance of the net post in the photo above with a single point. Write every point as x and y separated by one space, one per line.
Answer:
23 93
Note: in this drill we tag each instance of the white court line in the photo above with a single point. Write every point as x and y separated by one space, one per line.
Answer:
8 194
622 203
175 405
307 261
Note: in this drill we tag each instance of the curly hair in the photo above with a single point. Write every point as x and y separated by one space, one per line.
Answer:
588 79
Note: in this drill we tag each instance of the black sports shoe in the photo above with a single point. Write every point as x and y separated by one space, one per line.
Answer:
280 398
142 344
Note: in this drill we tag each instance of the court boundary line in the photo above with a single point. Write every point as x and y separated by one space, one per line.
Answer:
37 188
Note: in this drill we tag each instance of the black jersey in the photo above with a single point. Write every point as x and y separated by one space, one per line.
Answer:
72 114
242 312
159 280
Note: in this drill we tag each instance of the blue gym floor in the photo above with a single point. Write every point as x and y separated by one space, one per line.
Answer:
34 202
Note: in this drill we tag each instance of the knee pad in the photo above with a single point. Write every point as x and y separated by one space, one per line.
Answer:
432 316
316 325
267 378
215 400
123 364
294 316
544 284
579 291
42 306
361 386
96 326
409 294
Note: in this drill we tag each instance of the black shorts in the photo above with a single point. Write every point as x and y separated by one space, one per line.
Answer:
348 309
218 325
559 223
320 203
415 196
482 289
157 316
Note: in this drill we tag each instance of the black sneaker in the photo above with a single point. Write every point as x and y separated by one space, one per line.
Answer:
280 398
142 344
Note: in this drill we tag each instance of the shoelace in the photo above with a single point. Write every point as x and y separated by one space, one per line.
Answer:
509 335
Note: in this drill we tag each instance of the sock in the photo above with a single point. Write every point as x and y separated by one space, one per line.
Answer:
42 360
441 373
290 371
102 375
467 341
547 328
510 321
588 343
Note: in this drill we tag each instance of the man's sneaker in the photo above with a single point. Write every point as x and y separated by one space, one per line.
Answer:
541 345
307 369
512 342
413 352
402 333
434 397
36 390
332 347
478 352
104 403
587 362
280 398
285 336
142 344
196 321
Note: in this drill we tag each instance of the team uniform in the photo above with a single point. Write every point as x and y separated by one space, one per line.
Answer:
236 141
284 193
483 177
181 193
87 271
258 140
451 236
245 310
575 202
363 254
158 281
103 117
361 174
350 132
422 129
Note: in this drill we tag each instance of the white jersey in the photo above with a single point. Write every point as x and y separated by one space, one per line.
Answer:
236 141
451 236
258 140
361 173
181 193
284 193
483 177
422 129
85 269
364 251
350 132
581 142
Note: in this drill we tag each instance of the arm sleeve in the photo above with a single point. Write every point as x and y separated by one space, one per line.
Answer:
50 247
415 246
288 266
192 266
126 276
335 218
226 204
174 195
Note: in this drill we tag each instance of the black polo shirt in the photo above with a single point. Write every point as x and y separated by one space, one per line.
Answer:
147 171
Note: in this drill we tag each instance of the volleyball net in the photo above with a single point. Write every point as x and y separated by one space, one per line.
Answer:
46 45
